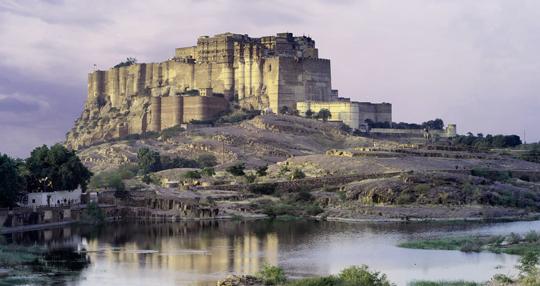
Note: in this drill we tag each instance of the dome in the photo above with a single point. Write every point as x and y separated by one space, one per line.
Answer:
268 109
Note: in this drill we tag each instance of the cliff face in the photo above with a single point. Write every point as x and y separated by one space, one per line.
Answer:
100 121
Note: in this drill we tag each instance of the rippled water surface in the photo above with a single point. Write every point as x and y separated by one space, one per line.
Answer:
202 252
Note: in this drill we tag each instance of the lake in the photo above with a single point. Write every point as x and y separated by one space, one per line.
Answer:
202 252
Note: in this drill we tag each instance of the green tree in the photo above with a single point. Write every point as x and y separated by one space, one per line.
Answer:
148 161
208 171
324 114
129 61
262 171
433 124
192 175
309 113
114 181
236 169
127 171
61 167
9 181
206 160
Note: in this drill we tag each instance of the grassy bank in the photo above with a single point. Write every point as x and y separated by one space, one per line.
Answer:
37 266
352 275
511 244
443 283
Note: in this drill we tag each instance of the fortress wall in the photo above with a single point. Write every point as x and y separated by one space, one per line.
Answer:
113 85
271 81
214 105
227 73
202 76
96 83
348 112
137 125
257 67
121 82
248 63
409 132
90 84
186 52
240 78
366 111
318 79
148 75
178 112
303 107
291 87
169 111
156 77
155 123
217 78
383 112
194 108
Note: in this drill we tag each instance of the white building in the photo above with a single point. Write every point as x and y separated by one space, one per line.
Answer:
54 198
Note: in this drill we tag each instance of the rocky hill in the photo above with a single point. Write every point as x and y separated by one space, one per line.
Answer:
263 140
100 121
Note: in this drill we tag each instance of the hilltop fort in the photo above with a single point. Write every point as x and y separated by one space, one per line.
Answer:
218 73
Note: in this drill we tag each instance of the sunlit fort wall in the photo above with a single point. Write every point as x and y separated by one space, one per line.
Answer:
271 71
353 114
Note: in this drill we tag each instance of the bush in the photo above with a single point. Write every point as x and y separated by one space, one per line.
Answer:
115 182
313 209
513 238
271 275
503 278
525 177
283 170
303 195
263 189
298 174
127 171
192 175
532 237
209 201
499 176
250 178
171 131
208 171
422 188
261 171
345 127
403 199
528 263
236 169
206 160
151 179
95 212
362 276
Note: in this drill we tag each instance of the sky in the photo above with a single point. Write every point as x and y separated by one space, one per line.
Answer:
471 63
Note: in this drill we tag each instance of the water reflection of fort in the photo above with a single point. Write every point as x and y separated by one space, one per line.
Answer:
192 246
207 246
